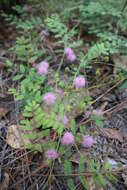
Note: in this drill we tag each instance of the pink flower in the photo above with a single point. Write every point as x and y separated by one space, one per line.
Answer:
34 65
87 141
79 82
49 98
70 55
43 68
68 51
51 154
67 139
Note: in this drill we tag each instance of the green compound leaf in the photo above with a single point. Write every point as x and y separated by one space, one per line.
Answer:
17 77
100 180
81 177
22 69
68 171
123 85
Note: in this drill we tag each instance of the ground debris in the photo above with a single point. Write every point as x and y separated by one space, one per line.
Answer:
112 134
5 182
15 137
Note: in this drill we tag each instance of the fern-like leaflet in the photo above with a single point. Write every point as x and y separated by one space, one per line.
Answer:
68 171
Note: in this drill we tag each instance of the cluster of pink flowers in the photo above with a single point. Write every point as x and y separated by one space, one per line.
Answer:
67 139
49 98
79 82
51 154
70 55
87 141
43 68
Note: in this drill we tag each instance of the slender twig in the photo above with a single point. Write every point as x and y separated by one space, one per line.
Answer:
101 96
113 171
124 6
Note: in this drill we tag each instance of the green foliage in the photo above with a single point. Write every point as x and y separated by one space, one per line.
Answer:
63 35
30 87
124 85
26 50
99 120
68 171
42 124
81 170
123 75
56 26
105 19
97 177
33 118
28 25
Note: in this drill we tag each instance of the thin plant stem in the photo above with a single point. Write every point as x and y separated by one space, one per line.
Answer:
52 166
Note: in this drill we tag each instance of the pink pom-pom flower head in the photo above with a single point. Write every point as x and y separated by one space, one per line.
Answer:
67 139
70 55
49 98
79 82
43 68
87 141
51 154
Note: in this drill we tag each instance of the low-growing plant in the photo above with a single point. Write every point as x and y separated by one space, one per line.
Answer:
49 111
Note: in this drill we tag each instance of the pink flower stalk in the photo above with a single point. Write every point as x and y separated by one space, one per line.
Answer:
65 120
87 141
67 139
51 154
43 33
49 98
59 91
79 82
70 55
43 68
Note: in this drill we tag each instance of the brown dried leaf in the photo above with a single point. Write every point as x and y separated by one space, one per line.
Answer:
100 111
15 137
5 183
120 62
124 176
113 134
2 65
3 111
76 156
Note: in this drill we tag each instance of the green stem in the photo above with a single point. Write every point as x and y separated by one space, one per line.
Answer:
52 166
58 70
78 149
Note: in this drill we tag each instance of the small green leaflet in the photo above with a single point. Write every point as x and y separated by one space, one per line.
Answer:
22 69
81 170
17 77
124 84
68 171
